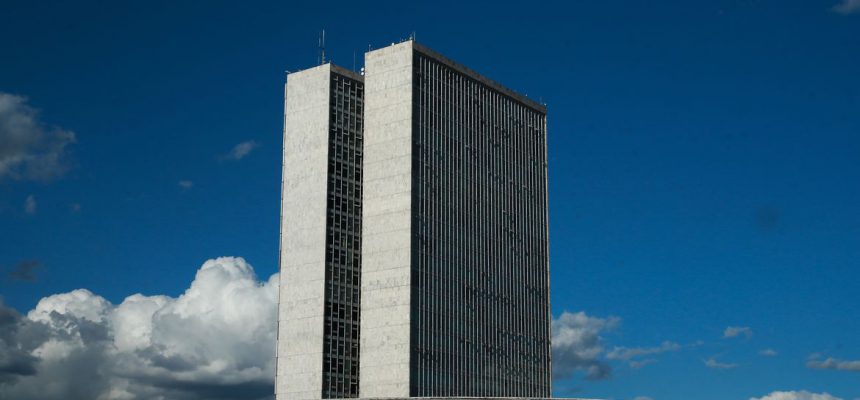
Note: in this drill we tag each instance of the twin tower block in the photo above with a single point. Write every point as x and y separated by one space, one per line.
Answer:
414 238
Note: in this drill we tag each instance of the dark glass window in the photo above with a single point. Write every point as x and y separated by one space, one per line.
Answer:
481 324
343 240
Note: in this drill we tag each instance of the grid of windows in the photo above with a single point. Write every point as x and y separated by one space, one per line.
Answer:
343 239
480 292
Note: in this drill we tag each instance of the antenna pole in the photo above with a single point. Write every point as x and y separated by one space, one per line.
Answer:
322 47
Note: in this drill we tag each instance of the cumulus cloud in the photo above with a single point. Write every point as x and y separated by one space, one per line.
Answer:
815 362
15 360
735 331
216 340
577 345
642 398
186 184
714 364
29 150
241 150
846 7
799 395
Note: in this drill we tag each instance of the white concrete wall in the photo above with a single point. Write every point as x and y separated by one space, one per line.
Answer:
385 269
303 229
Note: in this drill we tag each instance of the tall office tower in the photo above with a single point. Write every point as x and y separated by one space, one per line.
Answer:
455 271
318 316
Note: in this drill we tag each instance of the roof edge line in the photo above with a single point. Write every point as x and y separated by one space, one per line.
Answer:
479 77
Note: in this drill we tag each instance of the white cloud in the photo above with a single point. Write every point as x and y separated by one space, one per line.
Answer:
627 353
577 345
186 184
735 331
768 353
799 395
642 398
28 149
714 364
846 7
241 150
832 363
216 340
30 205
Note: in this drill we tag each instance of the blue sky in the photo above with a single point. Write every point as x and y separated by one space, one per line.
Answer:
704 160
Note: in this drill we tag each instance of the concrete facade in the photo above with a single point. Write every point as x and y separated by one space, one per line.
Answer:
303 233
318 322
386 245
414 206
455 273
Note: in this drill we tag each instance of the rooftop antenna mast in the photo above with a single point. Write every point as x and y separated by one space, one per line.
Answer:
322 47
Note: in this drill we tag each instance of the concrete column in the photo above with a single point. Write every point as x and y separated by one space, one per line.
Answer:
303 235
386 233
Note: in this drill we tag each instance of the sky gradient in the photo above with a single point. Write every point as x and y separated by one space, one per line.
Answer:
704 166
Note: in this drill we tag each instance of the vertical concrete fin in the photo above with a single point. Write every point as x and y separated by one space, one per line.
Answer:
386 234
303 235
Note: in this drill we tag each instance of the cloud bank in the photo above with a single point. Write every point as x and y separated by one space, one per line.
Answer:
217 340
28 149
